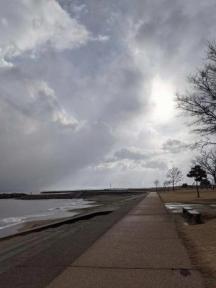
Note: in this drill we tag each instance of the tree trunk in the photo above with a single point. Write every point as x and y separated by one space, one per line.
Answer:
173 186
214 181
197 188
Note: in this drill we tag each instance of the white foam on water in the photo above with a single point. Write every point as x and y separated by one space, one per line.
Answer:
59 209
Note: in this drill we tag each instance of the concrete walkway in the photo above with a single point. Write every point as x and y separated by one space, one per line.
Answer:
141 250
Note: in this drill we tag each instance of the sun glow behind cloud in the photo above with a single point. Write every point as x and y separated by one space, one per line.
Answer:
162 98
98 74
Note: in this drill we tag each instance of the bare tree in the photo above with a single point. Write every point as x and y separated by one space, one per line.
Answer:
200 101
166 184
174 176
156 182
207 161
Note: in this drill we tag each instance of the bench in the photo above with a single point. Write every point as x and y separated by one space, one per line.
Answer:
192 216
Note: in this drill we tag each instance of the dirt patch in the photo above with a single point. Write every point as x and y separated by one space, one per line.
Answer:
189 196
200 240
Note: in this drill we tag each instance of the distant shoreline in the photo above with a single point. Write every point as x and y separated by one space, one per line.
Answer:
71 194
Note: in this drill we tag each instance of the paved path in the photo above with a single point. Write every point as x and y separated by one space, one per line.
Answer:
141 250
34 260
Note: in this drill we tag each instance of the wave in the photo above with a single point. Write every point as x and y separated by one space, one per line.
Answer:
56 212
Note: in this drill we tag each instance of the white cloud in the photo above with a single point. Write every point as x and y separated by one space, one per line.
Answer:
65 111
31 26
64 119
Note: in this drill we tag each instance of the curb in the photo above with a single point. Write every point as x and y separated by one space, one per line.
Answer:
84 216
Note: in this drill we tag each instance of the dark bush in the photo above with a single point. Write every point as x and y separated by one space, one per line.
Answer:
184 185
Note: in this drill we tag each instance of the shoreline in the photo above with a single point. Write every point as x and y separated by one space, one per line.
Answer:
75 194
42 260
103 204
38 223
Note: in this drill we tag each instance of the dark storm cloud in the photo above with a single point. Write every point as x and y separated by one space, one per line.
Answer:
40 142
74 80
156 164
132 157
57 115
175 146
129 154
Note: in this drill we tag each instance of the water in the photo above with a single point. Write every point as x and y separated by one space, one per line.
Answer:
14 212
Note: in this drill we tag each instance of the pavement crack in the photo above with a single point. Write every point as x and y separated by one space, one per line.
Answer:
181 269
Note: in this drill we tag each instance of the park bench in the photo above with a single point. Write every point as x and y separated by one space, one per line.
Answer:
192 216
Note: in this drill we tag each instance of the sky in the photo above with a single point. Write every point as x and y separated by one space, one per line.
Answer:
87 90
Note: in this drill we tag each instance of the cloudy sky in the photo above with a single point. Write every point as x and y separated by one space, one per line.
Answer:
87 90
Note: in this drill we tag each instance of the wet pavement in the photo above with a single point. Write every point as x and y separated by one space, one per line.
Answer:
34 260
143 249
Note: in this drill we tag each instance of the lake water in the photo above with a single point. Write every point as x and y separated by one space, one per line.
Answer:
15 212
